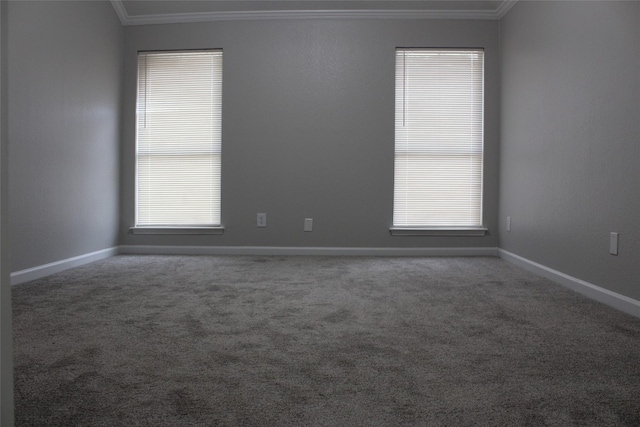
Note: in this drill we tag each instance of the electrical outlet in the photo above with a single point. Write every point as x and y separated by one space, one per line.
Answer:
262 220
509 224
308 224
613 243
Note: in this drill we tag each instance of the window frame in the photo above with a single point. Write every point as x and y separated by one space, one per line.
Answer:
178 228
437 230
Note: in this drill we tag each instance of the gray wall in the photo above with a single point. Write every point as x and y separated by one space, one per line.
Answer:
308 127
570 138
64 109
6 337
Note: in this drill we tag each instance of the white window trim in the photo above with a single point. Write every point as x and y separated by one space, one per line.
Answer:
432 230
444 231
177 230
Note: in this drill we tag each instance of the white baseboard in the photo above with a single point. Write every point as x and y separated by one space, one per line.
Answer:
327 251
58 266
613 299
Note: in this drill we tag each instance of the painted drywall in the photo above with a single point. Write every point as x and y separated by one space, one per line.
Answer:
570 138
6 335
65 69
308 127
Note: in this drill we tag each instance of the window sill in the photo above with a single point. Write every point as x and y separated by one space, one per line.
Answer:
437 231
176 230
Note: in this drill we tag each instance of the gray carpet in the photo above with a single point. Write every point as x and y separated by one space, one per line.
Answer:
318 341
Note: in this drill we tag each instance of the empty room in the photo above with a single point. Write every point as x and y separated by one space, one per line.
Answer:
319 213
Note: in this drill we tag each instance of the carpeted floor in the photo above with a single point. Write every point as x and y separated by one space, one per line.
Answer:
318 341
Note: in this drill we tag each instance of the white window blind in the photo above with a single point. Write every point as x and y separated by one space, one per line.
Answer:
438 138
178 138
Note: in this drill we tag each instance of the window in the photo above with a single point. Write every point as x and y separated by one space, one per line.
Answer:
438 139
178 139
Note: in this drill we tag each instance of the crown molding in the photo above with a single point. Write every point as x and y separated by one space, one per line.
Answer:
178 18
120 11
505 7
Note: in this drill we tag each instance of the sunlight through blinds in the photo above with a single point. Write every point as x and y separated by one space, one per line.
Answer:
438 138
178 138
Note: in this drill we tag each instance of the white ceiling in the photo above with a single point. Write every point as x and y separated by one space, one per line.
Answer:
141 12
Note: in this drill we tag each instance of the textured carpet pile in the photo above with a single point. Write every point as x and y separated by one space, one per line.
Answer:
318 341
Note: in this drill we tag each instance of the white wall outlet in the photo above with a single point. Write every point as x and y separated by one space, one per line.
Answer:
509 223
262 220
613 243
308 224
